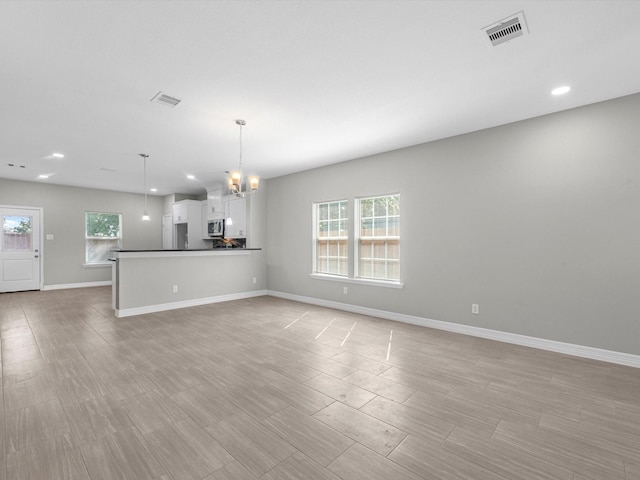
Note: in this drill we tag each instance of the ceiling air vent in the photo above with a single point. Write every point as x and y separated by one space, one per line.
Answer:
165 99
506 29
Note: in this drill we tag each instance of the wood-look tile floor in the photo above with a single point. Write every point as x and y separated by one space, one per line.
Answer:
273 389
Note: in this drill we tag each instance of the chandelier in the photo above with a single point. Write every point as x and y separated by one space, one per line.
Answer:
235 177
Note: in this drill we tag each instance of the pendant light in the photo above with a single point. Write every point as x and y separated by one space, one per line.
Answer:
235 177
145 215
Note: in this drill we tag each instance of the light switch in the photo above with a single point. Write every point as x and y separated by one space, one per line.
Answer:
49 236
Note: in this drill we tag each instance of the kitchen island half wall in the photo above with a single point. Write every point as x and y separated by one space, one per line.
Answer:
146 281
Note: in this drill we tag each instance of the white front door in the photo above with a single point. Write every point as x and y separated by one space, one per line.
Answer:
19 249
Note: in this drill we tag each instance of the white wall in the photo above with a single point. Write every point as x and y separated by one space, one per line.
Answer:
64 209
536 221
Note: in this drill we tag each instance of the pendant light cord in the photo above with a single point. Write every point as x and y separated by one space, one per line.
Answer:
240 163
144 172
145 184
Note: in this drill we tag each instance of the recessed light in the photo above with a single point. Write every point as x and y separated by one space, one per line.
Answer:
560 90
191 177
57 155
153 189
43 176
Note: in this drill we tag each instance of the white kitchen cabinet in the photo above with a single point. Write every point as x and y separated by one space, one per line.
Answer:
235 212
181 212
205 221
187 219
214 204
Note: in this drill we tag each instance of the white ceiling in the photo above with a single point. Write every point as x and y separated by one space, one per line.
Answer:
317 82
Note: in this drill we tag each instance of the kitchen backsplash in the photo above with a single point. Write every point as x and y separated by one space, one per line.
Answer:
230 243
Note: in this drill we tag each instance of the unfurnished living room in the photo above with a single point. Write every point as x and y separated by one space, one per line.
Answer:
311 239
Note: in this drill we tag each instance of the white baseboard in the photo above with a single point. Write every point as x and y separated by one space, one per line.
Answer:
64 286
128 312
534 342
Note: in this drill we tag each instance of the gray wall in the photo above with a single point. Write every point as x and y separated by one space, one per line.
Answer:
536 221
63 215
149 281
257 218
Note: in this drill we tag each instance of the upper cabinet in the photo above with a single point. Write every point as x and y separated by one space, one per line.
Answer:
181 212
214 205
235 212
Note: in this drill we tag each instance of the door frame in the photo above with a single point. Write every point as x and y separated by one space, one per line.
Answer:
41 226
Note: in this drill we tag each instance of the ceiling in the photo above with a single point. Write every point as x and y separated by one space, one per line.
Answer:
318 82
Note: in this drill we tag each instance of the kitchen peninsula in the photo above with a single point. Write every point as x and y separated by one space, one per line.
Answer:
145 281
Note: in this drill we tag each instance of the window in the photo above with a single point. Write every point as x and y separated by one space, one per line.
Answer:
103 232
16 233
378 242
331 238
370 255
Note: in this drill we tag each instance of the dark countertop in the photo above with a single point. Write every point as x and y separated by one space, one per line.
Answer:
188 250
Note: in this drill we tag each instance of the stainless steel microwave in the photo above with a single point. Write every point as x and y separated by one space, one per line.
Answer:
215 228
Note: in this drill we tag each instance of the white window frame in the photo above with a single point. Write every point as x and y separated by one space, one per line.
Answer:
358 238
353 209
87 262
317 238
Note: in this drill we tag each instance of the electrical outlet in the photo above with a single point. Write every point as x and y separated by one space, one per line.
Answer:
344 290
254 280
475 309
175 289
